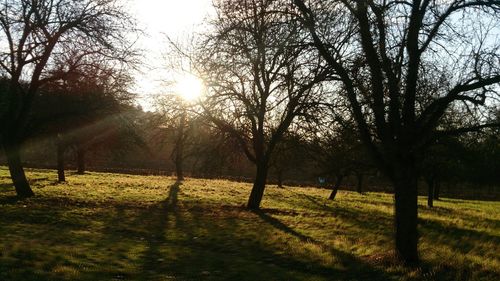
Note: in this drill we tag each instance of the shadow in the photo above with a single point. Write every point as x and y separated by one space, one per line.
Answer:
76 173
202 241
9 186
355 268
175 235
162 213
459 239
364 220
35 180
54 183
171 202
6 187
281 226
444 211
9 200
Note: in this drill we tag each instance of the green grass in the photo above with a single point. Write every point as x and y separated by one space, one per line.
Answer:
121 227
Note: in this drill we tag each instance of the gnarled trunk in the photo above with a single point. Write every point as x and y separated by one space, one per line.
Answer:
60 161
280 178
258 186
179 148
437 187
179 162
359 187
430 192
406 213
335 189
21 184
80 160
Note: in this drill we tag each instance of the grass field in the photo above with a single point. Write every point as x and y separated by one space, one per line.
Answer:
122 227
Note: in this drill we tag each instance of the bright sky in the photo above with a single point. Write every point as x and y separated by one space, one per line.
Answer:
159 19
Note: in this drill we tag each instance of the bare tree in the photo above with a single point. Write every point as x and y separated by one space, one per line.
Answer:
290 156
36 37
260 75
338 154
82 109
178 117
381 50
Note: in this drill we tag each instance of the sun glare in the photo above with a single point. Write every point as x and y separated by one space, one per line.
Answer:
189 87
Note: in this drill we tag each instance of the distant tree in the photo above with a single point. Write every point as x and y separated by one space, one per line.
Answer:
215 153
482 154
180 119
290 157
441 161
261 76
382 51
338 152
470 158
61 147
38 35
82 109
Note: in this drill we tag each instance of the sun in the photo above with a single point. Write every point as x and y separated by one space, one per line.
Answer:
189 87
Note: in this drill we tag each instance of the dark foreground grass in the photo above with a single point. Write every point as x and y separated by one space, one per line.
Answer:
121 227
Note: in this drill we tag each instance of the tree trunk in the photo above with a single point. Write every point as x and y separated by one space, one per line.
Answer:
60 161
406 213
178 166
280 178
258 187
437 186
80 160
21 184
359 187
430 193
338 182
179 148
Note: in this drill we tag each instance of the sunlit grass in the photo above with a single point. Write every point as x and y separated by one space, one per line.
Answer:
122 227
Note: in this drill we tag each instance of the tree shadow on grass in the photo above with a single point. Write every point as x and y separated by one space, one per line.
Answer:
209 243
447 211
379 218
203 239
191 240
453 237
35 180
281 226
6 187
215 243
152 258
9 200
460 239
213 251
9 186
363 219
355 268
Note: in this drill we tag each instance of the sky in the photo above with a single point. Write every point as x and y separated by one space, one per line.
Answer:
159 19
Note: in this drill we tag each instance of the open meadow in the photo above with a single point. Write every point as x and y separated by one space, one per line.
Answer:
101 226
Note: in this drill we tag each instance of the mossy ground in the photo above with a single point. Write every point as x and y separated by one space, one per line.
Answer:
101 226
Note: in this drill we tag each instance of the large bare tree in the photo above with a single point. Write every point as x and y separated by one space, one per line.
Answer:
261 75
383 51
36 36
